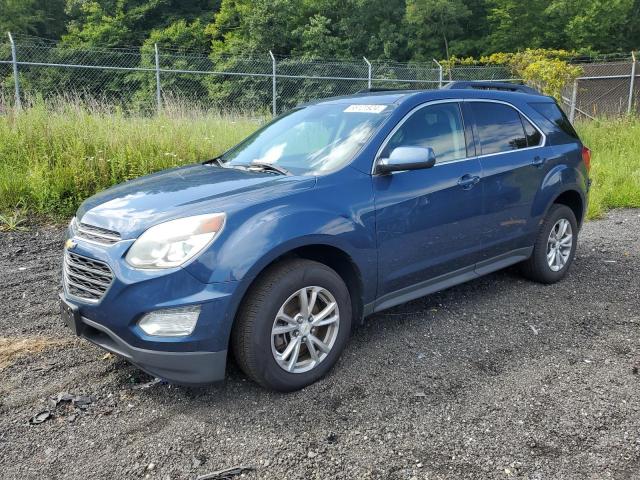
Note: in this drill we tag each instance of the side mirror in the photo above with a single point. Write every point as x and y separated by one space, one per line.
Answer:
407 158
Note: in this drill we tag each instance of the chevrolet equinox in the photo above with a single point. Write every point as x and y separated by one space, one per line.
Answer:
332 211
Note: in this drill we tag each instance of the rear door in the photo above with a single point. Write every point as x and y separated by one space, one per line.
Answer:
512 155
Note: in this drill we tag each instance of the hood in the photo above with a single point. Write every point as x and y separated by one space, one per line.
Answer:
132 207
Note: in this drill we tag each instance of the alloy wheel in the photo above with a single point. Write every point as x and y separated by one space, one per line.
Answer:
559 245
305 329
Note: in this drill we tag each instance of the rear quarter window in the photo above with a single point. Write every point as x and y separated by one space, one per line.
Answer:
553 113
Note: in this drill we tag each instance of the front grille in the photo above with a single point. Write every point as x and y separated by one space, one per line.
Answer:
96 234
86 278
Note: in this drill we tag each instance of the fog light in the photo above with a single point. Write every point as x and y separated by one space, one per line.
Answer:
172 322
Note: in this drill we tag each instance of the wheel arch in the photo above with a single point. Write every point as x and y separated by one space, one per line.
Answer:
572 199
330 255
562 185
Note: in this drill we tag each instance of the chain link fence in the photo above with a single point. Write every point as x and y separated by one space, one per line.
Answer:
149 79
605 90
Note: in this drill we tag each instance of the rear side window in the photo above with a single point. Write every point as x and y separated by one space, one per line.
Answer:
437 126
499 127
555 115
534 137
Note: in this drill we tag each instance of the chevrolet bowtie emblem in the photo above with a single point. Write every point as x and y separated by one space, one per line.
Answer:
70 244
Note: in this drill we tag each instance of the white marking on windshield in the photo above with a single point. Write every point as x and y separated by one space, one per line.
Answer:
365 108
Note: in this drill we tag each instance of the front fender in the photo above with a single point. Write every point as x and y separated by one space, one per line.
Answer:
269 235
338 213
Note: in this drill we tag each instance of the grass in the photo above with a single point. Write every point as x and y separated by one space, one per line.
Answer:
615 163
13 221
54 156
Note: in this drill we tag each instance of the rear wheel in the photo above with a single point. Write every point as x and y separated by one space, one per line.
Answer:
555 246
293 325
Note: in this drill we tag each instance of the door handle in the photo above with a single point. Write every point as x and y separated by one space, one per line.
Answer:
468 181
538 161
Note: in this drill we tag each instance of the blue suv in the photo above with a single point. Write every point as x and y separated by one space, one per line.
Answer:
333 211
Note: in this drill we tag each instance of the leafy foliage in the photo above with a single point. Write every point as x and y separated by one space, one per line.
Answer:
33 17
401 30
546 69
228 31
434 22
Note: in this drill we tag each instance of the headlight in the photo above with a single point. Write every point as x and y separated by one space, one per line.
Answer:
171 244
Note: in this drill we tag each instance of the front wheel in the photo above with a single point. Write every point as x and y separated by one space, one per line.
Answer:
293 325
555 246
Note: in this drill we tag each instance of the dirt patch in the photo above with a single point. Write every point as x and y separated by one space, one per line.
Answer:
498 378
13 348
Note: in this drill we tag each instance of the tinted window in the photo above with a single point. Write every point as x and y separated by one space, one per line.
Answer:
533 135
499 127
437 126
553 113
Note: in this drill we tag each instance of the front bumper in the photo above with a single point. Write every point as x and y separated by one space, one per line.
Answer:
112 321
182 368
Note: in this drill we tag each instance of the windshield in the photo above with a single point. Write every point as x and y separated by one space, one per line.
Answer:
312 140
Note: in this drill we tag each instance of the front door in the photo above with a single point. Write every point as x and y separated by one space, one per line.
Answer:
427 220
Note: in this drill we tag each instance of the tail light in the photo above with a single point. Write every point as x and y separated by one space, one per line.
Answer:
586 157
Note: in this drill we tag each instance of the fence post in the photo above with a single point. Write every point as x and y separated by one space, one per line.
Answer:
632 83
14 61
274 91
369 73
158 86
574 98
440 76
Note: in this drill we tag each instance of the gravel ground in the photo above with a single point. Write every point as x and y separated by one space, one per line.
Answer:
498 378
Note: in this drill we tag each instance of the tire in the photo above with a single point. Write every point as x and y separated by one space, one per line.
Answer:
538 267
260 350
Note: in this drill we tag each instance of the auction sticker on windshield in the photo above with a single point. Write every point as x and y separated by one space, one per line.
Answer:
365 108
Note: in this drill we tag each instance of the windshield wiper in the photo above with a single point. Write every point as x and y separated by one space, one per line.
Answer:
270 166
214 161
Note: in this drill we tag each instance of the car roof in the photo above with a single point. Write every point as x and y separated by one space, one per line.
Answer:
418 96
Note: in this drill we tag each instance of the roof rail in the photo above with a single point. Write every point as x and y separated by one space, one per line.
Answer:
502 86
373 90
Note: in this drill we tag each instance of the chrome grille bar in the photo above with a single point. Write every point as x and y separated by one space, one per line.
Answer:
85 277
96 234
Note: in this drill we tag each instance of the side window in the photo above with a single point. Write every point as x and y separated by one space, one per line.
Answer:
499 127
534 138
437 126
555 115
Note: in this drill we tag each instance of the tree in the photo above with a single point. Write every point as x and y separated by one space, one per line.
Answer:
434 24
604 26
516 25
245 26
33 17
312 28
116 23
